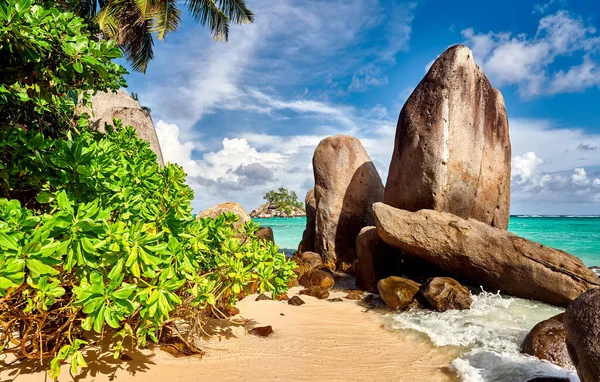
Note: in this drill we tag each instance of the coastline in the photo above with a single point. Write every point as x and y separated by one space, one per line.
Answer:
319 340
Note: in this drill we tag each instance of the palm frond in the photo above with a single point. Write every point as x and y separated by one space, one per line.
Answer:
206 12
165 17
237 11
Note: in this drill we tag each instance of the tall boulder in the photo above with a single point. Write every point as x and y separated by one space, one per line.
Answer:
215 211
582 323
452 150
482 255
346 186
109 105
308 236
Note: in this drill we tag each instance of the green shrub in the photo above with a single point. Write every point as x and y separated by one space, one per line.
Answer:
284 199
96 237
49 63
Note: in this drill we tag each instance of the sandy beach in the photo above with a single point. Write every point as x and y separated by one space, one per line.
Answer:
318 341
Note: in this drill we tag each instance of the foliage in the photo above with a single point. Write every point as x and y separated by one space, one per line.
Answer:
133 23
49 62
284 200
96 237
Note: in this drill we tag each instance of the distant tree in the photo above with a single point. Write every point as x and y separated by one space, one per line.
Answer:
283 199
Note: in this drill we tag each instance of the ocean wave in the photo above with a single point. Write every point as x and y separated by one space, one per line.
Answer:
491 332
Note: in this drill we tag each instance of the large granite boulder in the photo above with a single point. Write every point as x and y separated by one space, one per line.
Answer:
547 341
266 234
109 105
346 186
445 293
582 323
452 150
481 255
308 236
398 293
215 211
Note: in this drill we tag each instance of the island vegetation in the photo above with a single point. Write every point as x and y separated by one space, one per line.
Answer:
279 203
97 241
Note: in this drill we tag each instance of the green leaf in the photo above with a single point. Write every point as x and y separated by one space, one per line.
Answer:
38 268
44 197
8 242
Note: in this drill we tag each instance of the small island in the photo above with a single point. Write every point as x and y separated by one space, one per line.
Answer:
282 203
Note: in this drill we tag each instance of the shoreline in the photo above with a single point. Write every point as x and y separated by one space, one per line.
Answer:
320 340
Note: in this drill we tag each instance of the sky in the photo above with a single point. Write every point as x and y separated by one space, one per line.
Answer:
244 117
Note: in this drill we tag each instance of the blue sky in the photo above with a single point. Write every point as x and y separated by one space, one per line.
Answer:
245 116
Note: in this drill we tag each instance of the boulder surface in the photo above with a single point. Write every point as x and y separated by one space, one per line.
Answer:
481 255
308 236
547 341
346 186
444 293
452 150
398 293
109 105
219 209
582 323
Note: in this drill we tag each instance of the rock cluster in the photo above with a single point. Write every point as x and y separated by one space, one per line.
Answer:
441 219
346 186
483 255
439 293
270 210
109 105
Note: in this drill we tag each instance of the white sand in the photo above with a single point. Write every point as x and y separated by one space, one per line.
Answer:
318 341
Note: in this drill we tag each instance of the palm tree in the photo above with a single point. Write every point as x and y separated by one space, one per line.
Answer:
132 24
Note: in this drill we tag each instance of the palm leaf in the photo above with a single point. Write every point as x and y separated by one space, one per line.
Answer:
206 12
237 11
165 17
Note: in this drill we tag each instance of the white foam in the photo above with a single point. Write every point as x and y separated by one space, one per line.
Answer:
491 333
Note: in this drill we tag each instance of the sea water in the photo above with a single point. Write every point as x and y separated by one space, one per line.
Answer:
491 332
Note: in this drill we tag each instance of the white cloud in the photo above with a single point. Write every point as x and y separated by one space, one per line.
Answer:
528 61
525 166
579 177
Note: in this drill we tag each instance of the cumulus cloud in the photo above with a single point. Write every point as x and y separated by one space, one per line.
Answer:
527 61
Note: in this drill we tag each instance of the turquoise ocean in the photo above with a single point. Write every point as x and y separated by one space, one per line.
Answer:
580 236
489 334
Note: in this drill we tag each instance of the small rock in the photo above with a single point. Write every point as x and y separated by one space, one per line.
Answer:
397 292
282 297
368 298
444 293
281 314
262 297
317 277
125 357
265 234
354 294
296 301
316 291
337 299
261 331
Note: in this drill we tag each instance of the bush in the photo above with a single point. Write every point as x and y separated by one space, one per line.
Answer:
284 199
49 63
96 237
